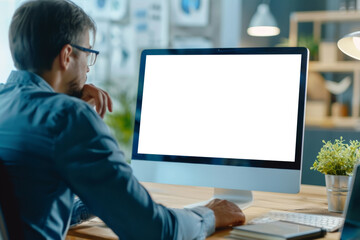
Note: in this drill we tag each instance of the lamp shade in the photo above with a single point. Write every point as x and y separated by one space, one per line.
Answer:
263 23
350 45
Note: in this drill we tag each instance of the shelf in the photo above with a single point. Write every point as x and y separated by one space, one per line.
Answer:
318 19
333 122
326 16
339 66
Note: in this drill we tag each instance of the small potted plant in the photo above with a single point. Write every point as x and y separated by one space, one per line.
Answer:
337 160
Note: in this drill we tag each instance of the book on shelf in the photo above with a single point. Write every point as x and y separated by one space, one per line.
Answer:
277 230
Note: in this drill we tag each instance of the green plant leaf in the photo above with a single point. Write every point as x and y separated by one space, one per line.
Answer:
337 158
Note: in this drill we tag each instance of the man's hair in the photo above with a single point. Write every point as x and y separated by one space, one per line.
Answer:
39 30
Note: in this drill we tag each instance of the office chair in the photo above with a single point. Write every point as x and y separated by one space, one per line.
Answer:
10 223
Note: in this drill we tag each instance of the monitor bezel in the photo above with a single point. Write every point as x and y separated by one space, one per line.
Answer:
296 165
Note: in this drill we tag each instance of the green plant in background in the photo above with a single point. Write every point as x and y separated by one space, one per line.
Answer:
121 122
310 43
337 158
307 41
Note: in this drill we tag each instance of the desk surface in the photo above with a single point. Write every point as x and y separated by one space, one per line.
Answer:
311 199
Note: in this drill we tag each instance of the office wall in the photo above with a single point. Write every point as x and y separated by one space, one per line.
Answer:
281 10
312 145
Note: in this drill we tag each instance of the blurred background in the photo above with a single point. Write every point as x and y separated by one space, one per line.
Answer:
126 27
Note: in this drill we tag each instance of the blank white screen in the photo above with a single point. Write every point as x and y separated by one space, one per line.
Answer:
222 106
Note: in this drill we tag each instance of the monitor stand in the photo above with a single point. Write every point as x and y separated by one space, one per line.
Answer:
242 198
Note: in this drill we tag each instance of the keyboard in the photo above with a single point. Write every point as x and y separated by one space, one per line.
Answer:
329 223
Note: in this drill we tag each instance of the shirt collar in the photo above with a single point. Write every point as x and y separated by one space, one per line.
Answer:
26 77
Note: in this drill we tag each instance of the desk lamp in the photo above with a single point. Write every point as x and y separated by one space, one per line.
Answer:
263 23
350 45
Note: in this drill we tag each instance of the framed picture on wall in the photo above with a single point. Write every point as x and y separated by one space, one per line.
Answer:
192 13
123 49
151 22
114 10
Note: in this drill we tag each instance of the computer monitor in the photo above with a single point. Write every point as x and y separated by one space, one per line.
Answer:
231 119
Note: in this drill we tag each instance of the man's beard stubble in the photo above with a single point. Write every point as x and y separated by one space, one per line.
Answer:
74 89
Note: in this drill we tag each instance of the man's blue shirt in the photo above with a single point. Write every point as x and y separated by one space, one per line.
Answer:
55 147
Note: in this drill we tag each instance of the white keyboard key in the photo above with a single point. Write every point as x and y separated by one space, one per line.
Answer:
329 223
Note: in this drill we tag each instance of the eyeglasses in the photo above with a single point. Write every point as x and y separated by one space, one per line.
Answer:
92 54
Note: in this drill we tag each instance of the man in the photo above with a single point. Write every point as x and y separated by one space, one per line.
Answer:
55 146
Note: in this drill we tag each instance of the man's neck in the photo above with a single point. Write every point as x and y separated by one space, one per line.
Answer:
53 78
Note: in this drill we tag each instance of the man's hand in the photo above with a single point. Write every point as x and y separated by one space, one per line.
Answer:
226 213
98 98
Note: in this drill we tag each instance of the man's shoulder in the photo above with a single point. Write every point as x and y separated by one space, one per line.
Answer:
63 112
67 105
64 101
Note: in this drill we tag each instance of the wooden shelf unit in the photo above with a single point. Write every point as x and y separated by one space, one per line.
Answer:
318 18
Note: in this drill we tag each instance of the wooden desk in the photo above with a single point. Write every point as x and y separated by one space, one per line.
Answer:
311 199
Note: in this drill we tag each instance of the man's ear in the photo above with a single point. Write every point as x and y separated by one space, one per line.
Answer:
64 56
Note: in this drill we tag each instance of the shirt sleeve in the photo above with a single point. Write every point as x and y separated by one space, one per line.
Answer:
201 223
80 213
87 157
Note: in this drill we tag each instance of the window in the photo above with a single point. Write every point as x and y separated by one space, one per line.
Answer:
6 64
